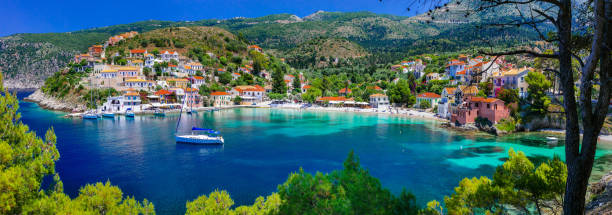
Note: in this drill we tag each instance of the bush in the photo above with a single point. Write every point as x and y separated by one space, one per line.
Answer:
507 124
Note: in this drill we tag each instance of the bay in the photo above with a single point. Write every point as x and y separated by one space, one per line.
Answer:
263 146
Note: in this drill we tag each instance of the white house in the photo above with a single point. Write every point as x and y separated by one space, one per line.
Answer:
109 73
169 55
138 83
379 101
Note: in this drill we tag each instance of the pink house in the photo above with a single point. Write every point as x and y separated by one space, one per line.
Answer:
491 108
193 98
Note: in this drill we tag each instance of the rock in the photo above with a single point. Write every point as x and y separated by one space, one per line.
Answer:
52 103
601 196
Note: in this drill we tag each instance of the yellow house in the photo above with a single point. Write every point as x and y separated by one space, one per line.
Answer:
178 82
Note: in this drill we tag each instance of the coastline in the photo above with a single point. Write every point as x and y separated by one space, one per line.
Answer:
51 103
76 110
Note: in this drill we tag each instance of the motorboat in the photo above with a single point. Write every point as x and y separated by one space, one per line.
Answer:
90 115
108 115
159 113
129 113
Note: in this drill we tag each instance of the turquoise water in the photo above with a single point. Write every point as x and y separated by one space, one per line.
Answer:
263 146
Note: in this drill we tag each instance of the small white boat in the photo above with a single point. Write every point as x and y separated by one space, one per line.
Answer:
90 115
552 138
108 115
129 113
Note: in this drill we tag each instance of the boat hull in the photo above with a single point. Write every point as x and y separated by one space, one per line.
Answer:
108 115
199 140
131 115
90 117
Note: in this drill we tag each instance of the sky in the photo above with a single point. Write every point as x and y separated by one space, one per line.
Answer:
42 16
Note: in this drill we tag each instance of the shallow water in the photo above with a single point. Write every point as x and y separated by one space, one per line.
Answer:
263 146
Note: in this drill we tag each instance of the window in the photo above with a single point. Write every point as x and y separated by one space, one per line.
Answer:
488 106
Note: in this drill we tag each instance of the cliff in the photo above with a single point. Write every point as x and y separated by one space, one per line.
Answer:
68 104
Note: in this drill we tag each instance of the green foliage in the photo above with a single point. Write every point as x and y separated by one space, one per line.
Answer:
26 159
508 96
237 100
517 183
507 124
278 81
400 94
482 122
425 105
225 77
485 88
538 86
311 95
297 85
277 96
350 191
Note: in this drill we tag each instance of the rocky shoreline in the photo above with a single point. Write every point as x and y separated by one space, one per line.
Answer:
50 102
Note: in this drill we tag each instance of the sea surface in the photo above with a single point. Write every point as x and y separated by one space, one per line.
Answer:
263 146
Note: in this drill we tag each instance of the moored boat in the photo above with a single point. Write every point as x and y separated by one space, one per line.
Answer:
90 115
159 113
108 115
204 139
129 113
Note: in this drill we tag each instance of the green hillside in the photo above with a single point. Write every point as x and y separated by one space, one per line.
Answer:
386 37
320 52
183 39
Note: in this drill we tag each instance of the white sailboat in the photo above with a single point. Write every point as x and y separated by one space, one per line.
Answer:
210 137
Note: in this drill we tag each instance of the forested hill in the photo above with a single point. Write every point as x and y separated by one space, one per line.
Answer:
34 57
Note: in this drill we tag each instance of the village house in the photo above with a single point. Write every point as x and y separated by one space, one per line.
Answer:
512 79
428 97
432 76
221 99
165 96
169 55
96 50
177 82
305 88
379 101
255 47
249 94
447 98
138 53
149 60
109 73
138 83
128 71
344 91
235 76
195 66
131 98
490 108
197 81
192 98
454 66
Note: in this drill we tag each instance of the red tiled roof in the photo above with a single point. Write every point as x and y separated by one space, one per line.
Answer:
191 90
138 51
428 95
306 86
450 90
378 95
219 94
332 98
163 92
344 90
198 77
